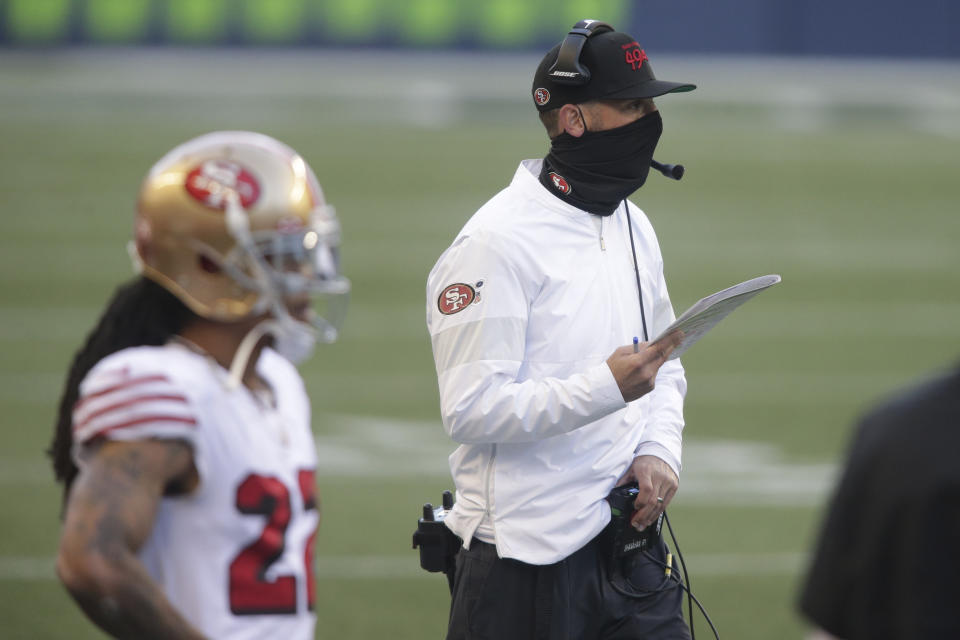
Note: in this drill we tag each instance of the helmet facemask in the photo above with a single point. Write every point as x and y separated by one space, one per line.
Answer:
295 268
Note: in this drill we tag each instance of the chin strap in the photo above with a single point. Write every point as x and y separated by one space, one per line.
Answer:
294 340
242 356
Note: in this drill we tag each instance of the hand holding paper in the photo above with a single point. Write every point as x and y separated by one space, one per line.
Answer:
704 314
635 367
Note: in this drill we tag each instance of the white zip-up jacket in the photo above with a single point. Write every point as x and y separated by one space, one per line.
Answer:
523 310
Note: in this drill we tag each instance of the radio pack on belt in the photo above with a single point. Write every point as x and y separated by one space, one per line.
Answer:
624 539
438 545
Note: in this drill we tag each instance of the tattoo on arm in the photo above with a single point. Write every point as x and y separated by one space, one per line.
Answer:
110 515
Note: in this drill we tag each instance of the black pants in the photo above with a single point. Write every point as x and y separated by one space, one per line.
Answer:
503 599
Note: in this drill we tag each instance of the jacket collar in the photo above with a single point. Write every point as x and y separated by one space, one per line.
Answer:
527 181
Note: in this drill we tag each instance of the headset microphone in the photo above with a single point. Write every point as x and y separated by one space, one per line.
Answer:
674 171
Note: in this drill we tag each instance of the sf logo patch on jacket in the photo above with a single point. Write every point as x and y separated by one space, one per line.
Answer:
457 297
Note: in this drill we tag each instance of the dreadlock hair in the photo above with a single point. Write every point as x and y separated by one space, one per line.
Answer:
141 313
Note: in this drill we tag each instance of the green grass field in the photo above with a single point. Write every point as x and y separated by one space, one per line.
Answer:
850 195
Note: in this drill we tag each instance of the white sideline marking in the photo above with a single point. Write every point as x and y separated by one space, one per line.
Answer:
387 567
367 446
715 472
804 93
772 388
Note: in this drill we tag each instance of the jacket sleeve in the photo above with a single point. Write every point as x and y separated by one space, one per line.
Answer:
663 435
478 296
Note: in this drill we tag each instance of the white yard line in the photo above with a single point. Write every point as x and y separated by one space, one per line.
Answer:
715 472
762 388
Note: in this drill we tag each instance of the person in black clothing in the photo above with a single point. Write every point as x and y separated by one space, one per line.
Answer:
887 564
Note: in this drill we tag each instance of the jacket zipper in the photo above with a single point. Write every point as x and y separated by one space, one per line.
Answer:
487 489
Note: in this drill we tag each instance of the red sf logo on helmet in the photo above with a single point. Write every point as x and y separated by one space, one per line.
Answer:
212 181
456 297
559 183
541 96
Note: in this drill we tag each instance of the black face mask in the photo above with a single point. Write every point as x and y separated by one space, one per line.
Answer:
596 171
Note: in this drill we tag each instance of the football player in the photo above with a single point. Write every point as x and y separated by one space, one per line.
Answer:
183 439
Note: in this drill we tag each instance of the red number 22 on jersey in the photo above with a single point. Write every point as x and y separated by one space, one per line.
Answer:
250 591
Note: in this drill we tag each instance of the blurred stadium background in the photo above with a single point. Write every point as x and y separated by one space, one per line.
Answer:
823 144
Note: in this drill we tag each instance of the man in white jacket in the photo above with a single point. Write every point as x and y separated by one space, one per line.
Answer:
528 312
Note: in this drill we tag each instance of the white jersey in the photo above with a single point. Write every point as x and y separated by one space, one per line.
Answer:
235 556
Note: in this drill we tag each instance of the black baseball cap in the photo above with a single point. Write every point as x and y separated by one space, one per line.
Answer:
595 62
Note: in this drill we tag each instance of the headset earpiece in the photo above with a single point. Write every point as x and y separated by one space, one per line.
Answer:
567 69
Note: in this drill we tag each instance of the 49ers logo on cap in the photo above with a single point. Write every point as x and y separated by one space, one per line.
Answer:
211 181
559 183
541 96
456 297
634 55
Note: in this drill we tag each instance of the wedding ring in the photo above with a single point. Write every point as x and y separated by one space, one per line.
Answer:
659 499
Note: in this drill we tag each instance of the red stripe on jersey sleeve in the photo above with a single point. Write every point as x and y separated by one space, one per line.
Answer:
189 421
127 403
122 385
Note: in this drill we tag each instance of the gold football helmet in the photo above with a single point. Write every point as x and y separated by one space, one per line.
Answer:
235 224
